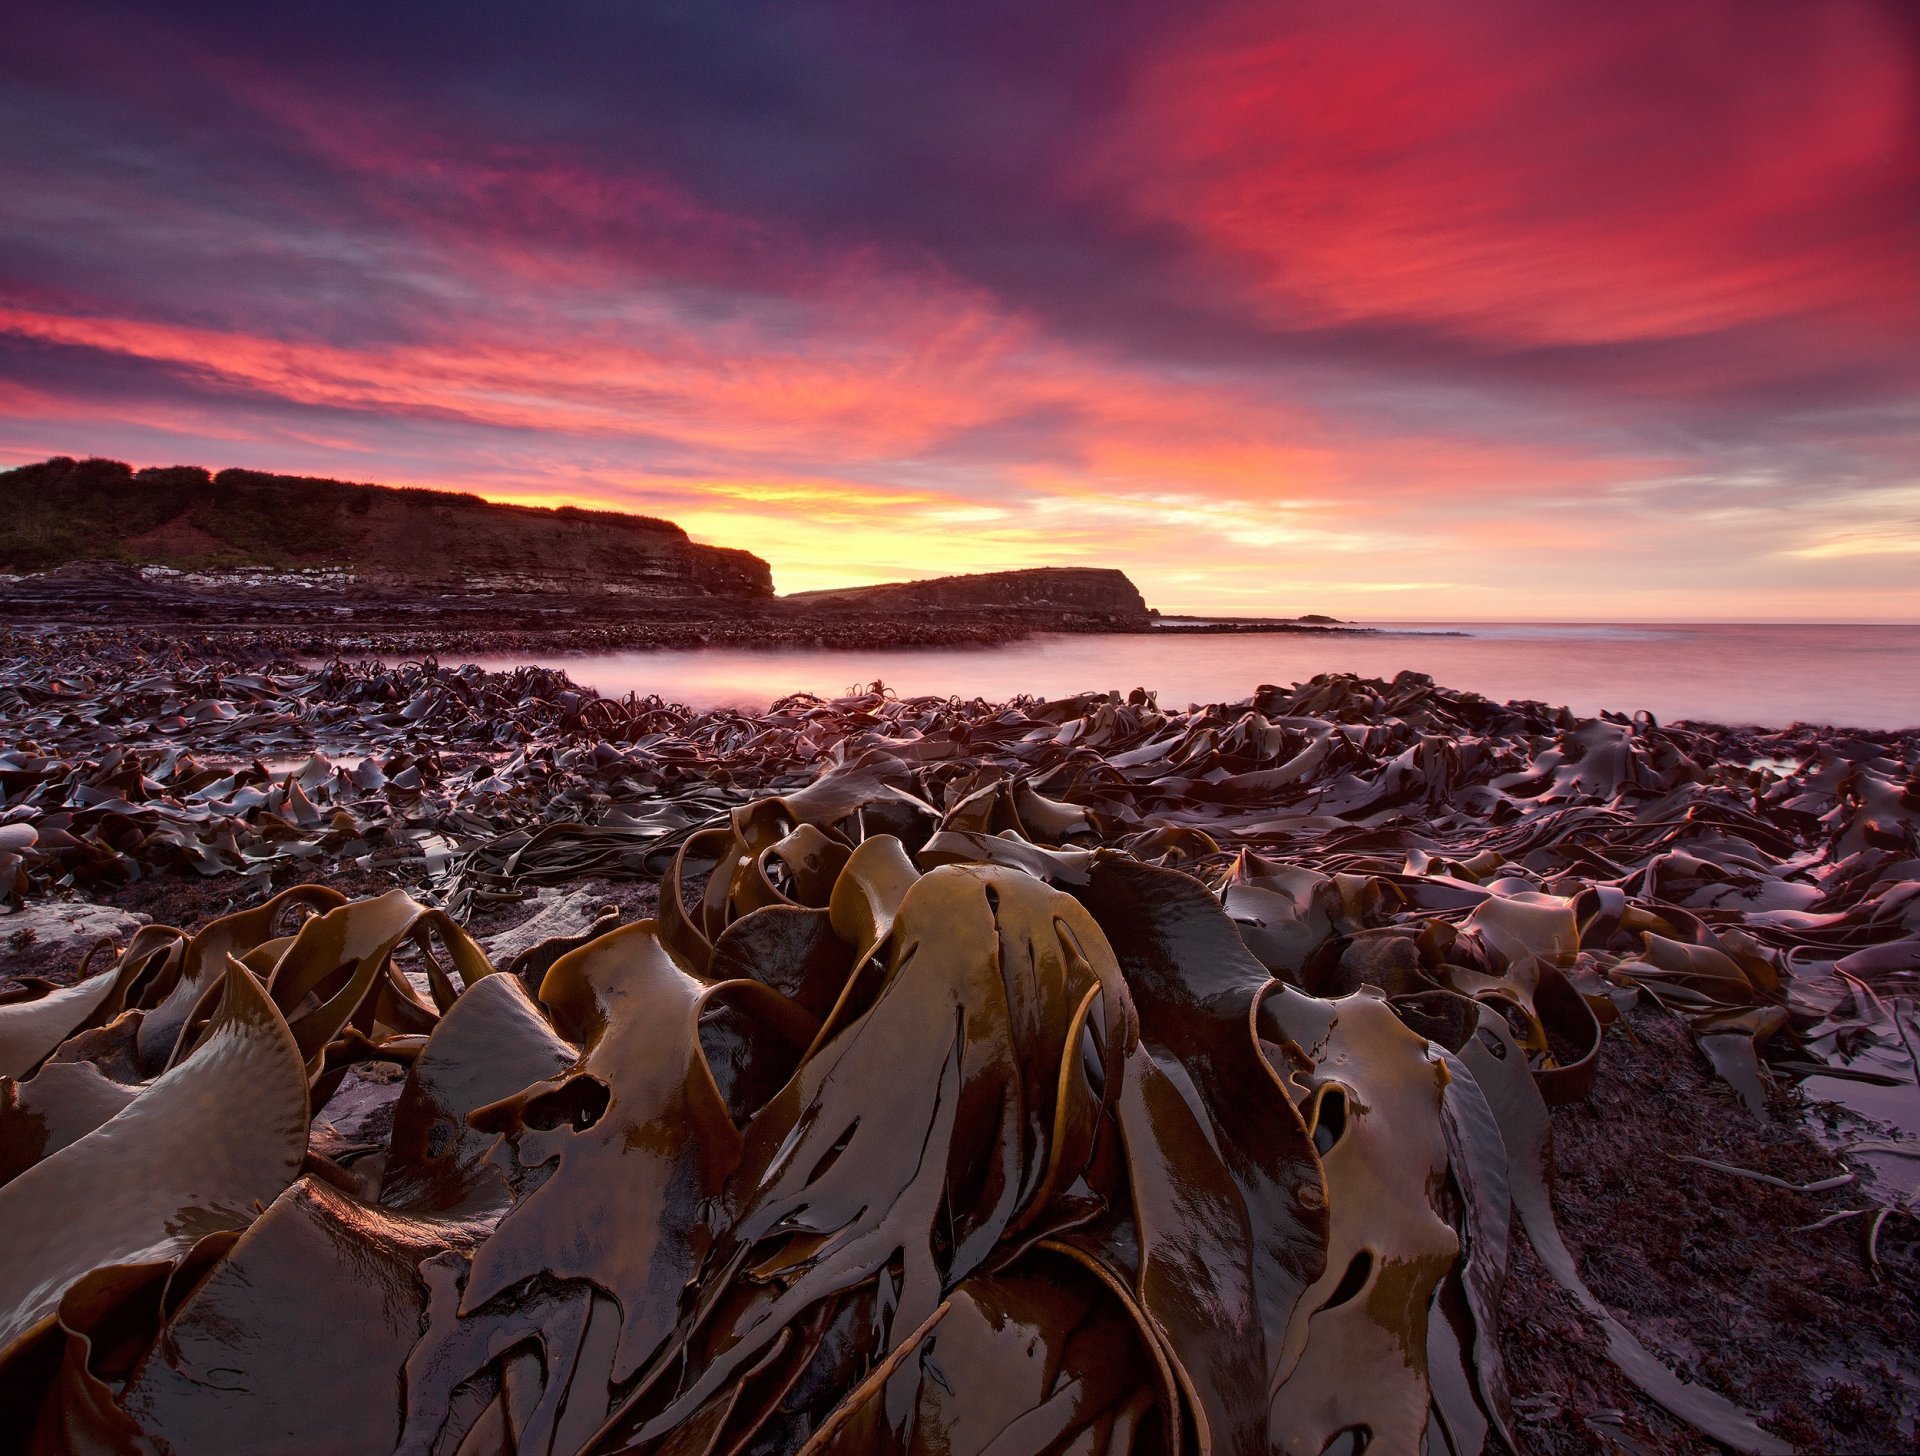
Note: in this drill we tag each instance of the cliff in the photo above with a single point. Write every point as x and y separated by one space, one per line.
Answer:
63 511
1076 596
316 566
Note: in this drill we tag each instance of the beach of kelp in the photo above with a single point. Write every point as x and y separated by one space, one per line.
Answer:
1364 1066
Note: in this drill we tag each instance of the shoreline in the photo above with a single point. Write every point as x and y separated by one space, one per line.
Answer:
311 614
490 637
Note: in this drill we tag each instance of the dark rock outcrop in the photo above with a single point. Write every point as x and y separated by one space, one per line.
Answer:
63 511
1074 596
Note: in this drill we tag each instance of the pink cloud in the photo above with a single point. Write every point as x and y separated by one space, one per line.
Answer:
1543 174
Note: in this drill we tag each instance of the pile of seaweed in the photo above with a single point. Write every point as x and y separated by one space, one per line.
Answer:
1042 1076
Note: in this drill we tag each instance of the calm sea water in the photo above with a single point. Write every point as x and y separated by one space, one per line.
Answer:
1853 676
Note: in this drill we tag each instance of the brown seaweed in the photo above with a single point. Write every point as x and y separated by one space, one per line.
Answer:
1095 1122
1034 1076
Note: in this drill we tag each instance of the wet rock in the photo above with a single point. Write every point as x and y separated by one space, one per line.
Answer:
556 913
50 938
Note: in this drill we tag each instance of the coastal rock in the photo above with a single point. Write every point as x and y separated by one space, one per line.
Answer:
557 914
51 937
245 529
1096 594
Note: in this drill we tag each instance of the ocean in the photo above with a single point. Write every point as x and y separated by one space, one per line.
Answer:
1865 676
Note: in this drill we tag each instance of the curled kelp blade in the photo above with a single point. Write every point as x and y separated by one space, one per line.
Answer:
198 1151
1466 1370
32 1027
1373 1105
37 1018
337 977
638 1135
1229 1202
59 1105
493 1042
318 1276
1042 1357
169 1002
904 1148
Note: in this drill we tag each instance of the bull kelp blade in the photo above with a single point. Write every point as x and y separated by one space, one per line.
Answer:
30 1029
492 1043
332 1288
1227 1188
1041 1358
198 1151
1375 1113
638 1134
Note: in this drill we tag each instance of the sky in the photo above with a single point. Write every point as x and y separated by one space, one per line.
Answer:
1393 309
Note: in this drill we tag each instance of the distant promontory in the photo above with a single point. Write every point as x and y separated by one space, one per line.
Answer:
1102 598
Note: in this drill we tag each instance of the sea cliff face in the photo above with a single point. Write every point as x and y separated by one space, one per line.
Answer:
183 518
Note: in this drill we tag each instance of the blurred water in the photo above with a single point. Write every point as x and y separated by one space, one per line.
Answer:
1851 676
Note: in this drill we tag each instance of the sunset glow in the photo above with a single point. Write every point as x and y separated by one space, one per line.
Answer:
1396 309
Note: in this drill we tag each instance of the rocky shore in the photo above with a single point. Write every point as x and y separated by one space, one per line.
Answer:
301 616
1671 927
316 613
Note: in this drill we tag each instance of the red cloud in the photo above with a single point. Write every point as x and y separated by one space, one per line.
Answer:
1544 174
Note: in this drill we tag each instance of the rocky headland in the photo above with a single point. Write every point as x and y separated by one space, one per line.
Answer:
187 526
316 566
1092 598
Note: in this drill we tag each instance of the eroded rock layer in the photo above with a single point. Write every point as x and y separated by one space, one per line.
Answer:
63 511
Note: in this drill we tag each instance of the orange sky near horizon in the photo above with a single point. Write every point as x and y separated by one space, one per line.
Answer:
1393 310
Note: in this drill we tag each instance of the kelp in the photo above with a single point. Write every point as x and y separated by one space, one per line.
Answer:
1033 1076
851 1149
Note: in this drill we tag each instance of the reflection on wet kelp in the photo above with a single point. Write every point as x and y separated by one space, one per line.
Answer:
1041 1077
